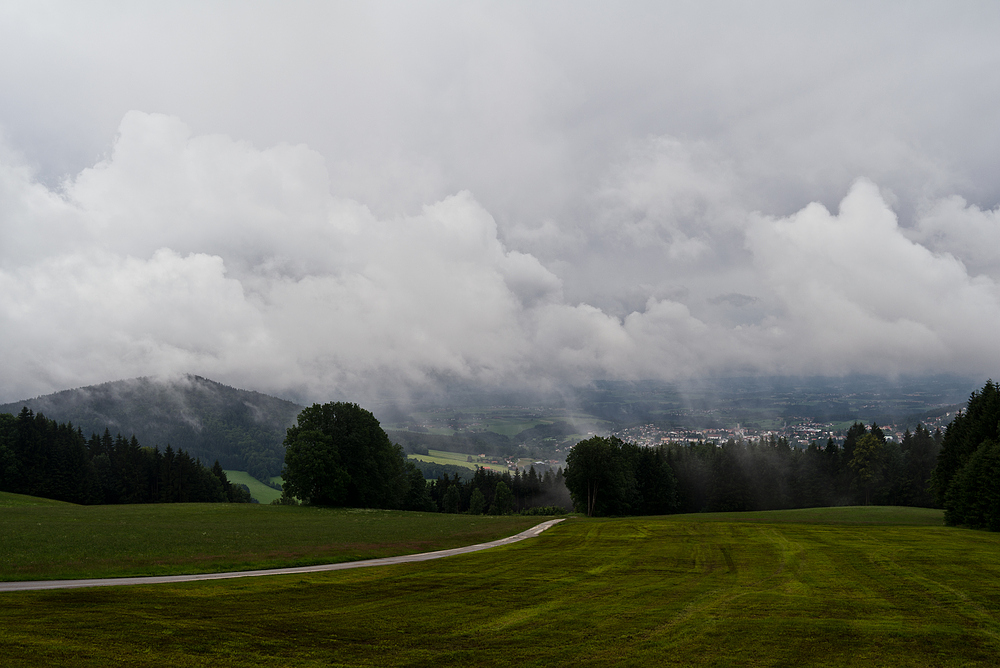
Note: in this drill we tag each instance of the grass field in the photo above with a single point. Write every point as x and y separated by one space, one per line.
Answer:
456 459
882 589
55 540
8 500
258 490
511 429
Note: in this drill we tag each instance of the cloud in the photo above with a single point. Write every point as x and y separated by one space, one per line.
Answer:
205 254
186 253
858 295
951 225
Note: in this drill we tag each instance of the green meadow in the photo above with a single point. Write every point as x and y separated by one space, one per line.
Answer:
456 459
823 587
42 539
258 490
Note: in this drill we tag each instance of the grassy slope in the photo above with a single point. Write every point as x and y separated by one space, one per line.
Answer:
636 591
69 541
10 500
258 490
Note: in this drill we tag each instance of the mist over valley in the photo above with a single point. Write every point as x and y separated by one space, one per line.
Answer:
244 430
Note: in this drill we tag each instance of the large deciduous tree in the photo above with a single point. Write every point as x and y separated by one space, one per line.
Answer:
338 455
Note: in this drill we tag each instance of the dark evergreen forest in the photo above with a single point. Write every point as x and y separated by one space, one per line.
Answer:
495 493
967 478
41 457
607 476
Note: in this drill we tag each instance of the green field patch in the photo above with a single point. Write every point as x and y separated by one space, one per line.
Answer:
512 428
671 591
456 459
258 490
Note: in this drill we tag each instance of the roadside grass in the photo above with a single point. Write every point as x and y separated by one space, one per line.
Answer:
456 459
589 592
258 490
57 540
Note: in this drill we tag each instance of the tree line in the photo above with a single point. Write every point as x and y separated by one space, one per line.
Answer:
500 493
40 457
768 474
958 471
607 476
967 478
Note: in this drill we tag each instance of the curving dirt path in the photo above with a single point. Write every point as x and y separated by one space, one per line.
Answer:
385 561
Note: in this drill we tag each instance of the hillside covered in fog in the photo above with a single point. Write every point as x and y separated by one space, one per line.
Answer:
244 430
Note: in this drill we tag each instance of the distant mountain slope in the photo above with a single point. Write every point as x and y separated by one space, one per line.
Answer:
244 430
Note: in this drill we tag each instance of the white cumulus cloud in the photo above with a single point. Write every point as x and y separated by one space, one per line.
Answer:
205 254
858 295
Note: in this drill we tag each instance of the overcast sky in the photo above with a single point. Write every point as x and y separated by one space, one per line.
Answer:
366 200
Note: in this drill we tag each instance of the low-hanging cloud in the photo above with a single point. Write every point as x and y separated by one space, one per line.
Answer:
184 253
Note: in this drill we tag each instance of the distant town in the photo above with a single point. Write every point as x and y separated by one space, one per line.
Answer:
799 435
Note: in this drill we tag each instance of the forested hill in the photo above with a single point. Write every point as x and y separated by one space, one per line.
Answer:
243 430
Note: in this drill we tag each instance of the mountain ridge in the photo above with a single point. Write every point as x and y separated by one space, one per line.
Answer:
242 429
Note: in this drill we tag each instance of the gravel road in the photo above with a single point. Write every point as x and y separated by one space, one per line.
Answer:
159 579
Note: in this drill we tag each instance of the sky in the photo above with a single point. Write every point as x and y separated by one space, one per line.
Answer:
374 200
